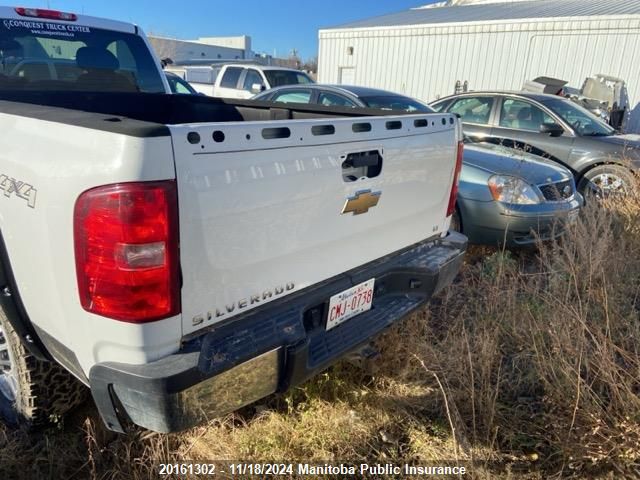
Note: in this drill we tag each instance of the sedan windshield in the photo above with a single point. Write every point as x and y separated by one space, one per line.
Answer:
395 102
581 120
278 78
180 86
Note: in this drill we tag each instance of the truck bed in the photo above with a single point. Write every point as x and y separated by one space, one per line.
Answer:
142 114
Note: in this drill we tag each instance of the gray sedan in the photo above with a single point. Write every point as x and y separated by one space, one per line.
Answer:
510 197
601 160
506 196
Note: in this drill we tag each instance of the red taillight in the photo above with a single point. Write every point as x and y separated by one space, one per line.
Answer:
126 245
456 177
43 13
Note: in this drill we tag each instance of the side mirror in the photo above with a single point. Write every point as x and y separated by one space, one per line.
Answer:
257 88
553 129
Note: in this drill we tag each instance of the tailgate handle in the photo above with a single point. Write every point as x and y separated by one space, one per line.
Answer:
363 159
358 165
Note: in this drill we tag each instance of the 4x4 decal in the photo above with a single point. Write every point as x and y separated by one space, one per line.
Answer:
22 190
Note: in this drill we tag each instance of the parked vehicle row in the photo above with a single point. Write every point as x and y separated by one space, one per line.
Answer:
602 160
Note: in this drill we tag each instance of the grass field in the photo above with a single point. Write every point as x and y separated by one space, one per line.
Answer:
527 367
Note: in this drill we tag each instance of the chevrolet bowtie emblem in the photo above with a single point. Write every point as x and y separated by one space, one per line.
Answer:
361 202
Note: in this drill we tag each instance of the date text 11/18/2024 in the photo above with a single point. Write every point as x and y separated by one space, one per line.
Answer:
230 469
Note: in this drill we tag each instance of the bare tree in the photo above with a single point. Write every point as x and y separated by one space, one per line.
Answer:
311 64
294 59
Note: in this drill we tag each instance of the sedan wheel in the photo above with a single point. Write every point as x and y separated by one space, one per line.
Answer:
606 181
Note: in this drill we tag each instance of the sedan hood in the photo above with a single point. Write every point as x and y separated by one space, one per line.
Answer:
629 140
497 159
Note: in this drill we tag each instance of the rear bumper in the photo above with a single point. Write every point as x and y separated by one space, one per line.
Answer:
272 348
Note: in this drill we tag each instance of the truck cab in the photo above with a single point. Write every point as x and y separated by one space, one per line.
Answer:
238 80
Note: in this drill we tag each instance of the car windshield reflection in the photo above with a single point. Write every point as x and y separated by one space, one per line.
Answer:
581 120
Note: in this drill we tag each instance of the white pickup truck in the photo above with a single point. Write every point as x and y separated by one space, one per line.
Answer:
238 80
184 256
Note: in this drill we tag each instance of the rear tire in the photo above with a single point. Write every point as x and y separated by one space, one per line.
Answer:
32 392
606 180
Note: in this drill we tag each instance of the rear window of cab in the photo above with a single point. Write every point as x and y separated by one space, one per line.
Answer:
37 54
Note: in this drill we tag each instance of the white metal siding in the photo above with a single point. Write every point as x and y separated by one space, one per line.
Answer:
426 61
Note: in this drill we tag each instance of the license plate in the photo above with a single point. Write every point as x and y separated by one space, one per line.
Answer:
351 302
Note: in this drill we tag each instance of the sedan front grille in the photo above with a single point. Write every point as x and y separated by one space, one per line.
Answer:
556 192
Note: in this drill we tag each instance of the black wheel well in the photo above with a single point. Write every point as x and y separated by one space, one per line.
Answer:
14 308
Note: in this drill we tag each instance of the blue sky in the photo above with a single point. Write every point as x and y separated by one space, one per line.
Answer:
281 24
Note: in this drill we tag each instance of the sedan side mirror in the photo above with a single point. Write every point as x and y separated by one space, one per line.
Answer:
553 129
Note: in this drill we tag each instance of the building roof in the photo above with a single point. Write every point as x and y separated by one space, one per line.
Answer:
470 13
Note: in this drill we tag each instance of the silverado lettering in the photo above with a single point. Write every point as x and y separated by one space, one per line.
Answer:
243 303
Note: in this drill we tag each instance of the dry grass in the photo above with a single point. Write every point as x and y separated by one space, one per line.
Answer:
543 360
531 359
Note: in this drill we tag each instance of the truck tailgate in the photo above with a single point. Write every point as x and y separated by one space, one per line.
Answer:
269 208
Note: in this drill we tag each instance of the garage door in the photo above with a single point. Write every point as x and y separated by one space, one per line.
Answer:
347 76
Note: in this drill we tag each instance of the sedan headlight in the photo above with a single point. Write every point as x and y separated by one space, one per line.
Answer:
508 189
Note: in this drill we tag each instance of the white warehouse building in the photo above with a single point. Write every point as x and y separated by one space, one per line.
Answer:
228 48
490 44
